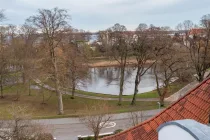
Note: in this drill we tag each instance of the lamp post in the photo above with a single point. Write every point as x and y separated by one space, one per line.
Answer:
158 105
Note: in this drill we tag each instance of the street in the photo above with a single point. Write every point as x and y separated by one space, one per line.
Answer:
70 128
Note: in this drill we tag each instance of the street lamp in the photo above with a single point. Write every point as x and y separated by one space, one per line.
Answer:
158 105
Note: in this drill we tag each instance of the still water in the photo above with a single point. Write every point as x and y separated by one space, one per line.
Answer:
106 80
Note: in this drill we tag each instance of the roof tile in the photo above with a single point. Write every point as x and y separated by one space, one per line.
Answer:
194 105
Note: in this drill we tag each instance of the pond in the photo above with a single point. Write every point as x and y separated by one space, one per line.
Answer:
106 80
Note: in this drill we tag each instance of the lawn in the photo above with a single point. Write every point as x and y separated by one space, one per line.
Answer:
72 107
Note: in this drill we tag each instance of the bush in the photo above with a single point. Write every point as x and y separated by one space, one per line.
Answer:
45 136
88 138
118 131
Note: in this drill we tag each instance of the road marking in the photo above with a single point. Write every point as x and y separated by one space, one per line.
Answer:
108 124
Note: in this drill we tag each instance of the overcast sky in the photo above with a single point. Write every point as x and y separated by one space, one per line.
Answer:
96 15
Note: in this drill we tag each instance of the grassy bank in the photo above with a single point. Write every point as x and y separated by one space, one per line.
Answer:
110 62
176 86
72 107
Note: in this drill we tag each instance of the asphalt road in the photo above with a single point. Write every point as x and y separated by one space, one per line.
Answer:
70 128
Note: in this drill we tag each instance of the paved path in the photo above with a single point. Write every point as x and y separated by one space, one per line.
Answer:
184 90
93 97
70 128
172 98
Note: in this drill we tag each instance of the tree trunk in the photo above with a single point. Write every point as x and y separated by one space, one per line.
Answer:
57 83
162 97
1 82
43 97
18 96
96 136
157 82
29 87
200 77
122 74
60 99
73 91
58 93
23 77
73 82
16 131
137 82
162 104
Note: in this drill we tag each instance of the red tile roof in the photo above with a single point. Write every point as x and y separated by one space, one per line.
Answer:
194 105
197 31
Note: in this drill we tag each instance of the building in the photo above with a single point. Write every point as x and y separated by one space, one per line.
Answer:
197 31
194 105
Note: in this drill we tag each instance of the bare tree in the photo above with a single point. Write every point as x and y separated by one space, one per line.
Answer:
4 60
197 42
15 57
52 24
169 61
2 15
135 118
27 51
96 117
76 64
142 46
3 69
104 42
120 42
21 127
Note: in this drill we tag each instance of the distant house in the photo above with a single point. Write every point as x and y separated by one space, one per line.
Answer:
197 31
183 130
194 105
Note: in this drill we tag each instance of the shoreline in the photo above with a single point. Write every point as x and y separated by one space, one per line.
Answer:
114 63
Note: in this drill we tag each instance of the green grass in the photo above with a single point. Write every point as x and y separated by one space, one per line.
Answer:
72 107
96 94
176 86
99 59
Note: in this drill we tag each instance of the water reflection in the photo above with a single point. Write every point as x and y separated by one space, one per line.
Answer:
106 81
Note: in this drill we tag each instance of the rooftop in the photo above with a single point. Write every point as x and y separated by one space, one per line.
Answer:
194 105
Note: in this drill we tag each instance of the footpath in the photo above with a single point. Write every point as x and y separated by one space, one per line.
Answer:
38 82
172 98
